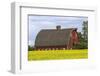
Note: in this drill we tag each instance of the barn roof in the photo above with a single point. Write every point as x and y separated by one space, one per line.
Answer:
53 37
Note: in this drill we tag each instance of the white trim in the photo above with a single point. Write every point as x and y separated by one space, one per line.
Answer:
15 52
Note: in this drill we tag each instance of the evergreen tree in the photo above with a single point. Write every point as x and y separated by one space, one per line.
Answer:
85 30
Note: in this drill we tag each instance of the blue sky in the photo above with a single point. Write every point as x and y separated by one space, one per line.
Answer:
36 23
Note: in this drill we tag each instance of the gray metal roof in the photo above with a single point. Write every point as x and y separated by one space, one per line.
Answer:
53 37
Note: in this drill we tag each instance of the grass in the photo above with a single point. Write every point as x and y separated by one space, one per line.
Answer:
57 54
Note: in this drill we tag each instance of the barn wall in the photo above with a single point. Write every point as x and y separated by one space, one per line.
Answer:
50 47
75 37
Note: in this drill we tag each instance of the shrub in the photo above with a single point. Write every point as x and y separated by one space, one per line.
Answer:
30 48
82 45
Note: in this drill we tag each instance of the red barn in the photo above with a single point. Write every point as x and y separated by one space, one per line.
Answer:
56 38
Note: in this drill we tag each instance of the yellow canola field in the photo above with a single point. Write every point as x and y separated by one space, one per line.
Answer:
57 54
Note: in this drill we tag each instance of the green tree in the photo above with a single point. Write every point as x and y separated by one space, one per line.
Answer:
30 48
85 30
